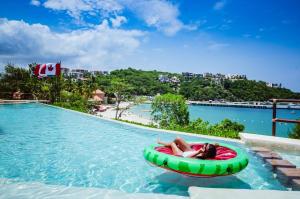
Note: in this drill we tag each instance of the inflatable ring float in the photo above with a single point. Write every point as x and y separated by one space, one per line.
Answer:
229 160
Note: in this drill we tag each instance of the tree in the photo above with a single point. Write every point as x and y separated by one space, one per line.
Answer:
296 132
15 79
170 109
121 91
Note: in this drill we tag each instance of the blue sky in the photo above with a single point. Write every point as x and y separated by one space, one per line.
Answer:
256 38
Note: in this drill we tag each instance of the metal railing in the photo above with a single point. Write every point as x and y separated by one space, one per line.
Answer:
275 119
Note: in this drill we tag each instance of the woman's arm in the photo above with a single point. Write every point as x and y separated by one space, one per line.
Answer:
195 153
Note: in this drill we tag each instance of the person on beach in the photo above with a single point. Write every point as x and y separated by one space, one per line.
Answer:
181 148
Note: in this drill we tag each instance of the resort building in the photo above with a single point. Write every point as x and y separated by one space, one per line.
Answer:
175 80
96 73
83 71
207 75
166 79
219 76
105 72
65 72
98 96
234 77
274 85
78 74
163 78
187 75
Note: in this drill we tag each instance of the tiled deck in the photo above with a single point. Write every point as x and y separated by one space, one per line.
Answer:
270 142
210 193
39 190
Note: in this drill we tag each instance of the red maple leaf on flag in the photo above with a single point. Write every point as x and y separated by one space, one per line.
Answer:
50 68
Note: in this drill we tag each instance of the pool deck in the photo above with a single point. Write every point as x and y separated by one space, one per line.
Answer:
271 142
210 193
38 190
22 101
285 172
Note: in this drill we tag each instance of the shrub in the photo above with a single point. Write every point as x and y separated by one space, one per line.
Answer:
225 128
170 110
73 101
228 125
295 133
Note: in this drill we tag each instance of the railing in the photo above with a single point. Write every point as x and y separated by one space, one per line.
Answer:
275 119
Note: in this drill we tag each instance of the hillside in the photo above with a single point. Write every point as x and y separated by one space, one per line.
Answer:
147 83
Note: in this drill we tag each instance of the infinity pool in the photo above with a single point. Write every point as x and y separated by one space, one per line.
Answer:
39 143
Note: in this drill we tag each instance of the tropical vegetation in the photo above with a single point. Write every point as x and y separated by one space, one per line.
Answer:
295 133
170 109
169 106
140 83
171 112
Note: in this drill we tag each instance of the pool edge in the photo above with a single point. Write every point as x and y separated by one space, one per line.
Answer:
149 128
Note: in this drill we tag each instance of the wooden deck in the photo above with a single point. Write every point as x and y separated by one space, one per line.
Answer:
260 149
276 163
286 175
295 185
268 155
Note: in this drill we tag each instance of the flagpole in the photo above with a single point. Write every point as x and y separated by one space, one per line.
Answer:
57 81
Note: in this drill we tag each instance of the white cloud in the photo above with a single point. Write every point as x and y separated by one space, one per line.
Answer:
160 14
219 5
214 46
35 2
76 8
23 42
118 21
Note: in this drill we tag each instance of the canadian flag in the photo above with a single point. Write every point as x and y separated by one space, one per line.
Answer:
46 70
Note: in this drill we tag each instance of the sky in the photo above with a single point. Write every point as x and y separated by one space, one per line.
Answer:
258 38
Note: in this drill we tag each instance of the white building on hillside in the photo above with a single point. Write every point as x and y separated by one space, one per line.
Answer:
175 80
65 71
274 85
163 78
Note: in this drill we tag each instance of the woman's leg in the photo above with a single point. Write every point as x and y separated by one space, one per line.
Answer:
175 149
182 144
168 144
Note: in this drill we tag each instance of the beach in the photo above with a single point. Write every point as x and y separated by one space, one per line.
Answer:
126 115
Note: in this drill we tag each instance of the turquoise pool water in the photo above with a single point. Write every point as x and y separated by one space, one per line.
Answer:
258 121
49 145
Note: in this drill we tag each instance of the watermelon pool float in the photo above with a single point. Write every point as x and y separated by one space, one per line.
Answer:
229 160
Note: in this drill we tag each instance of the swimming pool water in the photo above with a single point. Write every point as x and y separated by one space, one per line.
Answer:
258 121
39 143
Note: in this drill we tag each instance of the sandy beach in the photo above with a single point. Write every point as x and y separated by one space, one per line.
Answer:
126 115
